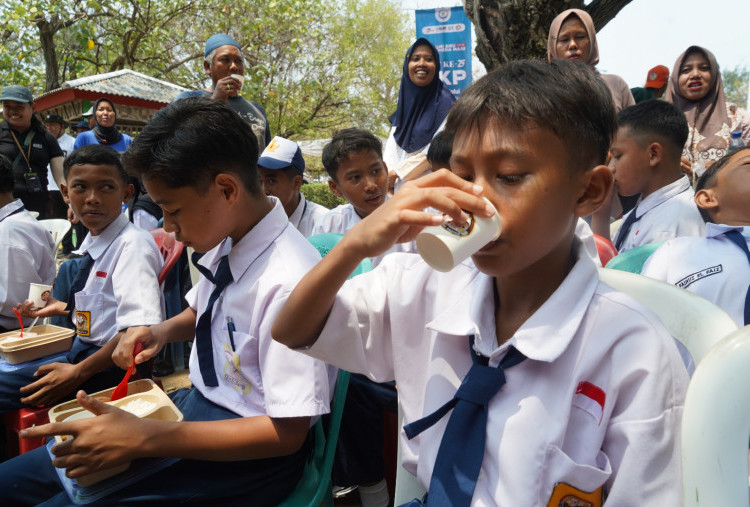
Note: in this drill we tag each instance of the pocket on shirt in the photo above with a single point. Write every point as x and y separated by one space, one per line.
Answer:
88 314
566 482
239 365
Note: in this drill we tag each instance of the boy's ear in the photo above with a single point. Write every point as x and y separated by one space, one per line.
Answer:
597 185
64 192
228 186
206 67
706 199
128 193
333 186
297 182
655 154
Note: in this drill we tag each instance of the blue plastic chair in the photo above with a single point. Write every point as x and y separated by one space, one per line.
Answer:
633 260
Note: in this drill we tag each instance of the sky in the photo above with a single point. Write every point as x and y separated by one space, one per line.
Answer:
652 32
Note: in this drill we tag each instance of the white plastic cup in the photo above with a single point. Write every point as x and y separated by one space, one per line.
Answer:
240 78
445 246
39 293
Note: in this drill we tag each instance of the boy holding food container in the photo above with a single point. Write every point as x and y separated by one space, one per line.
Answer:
116 286
594 385
247 417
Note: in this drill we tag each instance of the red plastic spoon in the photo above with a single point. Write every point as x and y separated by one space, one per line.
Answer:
122 388
20 321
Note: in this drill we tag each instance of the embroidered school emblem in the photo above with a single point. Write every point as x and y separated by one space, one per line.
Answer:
565 495
459 230
83 323
232 373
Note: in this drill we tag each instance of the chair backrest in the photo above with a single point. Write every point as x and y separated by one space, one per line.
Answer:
58 227
633 260
170 250
605 248
696 322
716 425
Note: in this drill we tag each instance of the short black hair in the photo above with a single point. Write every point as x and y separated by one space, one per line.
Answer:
288 171
566 97
95 154
344 143
192 140
6 174
440 149
709 177
656 119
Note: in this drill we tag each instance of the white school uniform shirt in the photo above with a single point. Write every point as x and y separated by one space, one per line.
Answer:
65 142
259 376
342 218
667 213
26 253
305 215
586 235
122 289
406 322
712 267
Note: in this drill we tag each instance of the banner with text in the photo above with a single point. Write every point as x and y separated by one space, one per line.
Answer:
449 30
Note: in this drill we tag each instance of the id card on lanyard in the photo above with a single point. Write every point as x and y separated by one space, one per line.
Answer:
33 182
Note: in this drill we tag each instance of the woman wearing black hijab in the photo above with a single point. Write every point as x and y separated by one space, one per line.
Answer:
104 131
423 104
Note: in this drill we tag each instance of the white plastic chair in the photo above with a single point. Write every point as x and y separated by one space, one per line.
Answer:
716 426
696 322
58 227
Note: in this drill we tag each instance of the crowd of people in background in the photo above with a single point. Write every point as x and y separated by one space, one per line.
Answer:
514 372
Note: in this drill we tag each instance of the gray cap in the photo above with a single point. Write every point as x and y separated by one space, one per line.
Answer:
17 93
90 112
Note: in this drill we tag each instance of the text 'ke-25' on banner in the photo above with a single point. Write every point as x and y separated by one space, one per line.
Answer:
449 30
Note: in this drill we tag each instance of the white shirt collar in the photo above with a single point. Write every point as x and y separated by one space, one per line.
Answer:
659 196
251 245
296 216
713 230
9 208
97 245
544 336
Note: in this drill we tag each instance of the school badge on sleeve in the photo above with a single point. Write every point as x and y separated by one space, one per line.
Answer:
565 495
83 323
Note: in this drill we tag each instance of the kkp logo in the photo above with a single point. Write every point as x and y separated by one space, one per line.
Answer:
442 14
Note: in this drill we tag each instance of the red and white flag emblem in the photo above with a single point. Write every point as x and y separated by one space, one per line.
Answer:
590 398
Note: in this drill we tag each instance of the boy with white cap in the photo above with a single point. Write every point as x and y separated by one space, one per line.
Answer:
281 167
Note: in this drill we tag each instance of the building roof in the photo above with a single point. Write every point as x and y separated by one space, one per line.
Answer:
125 83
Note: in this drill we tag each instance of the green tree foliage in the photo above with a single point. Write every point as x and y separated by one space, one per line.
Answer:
735 84
321 194
314 66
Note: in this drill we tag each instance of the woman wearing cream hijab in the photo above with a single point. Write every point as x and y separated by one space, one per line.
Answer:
572 36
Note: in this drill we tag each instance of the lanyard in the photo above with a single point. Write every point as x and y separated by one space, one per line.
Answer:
27 155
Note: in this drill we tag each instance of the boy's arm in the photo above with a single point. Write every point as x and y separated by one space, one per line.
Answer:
53 308
60 379
116 437
181 327
400 219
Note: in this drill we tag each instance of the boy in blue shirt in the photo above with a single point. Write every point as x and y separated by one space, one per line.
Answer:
522 378
247 417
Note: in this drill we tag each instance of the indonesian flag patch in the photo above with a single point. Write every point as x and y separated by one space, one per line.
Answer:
590 399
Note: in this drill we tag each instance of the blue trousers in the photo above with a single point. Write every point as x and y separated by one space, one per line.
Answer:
30 479
11 382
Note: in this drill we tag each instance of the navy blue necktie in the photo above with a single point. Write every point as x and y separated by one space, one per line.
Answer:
220 279
461 450
625 228
85 264
738 239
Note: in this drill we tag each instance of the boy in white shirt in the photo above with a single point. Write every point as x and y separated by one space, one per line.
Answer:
116 286
26 250
595 385
247 417
281 169
716 266
354 162
646 160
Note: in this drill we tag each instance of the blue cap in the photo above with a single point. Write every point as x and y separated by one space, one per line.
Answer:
16 93
82 125
282 153
218 40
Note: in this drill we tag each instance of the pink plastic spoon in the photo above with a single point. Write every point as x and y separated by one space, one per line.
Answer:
122 388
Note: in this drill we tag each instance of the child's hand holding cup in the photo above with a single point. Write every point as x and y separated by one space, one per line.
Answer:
39 294
445 246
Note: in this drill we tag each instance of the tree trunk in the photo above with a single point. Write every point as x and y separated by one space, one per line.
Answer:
515 29
46 37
